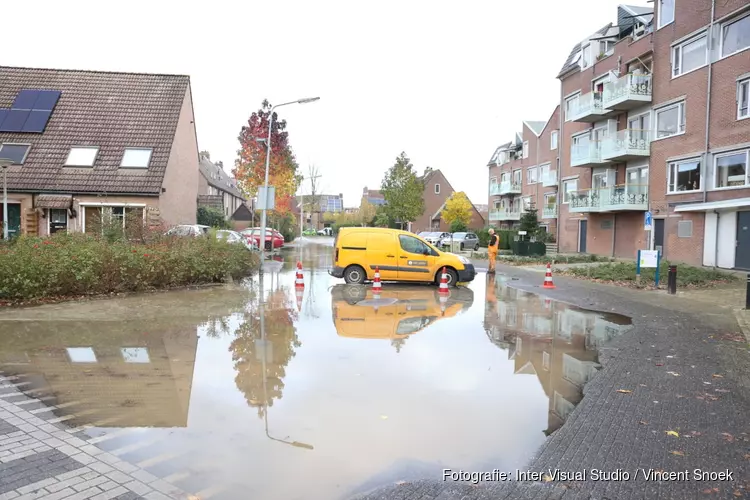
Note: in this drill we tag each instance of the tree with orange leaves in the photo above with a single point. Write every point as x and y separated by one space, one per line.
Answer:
250 166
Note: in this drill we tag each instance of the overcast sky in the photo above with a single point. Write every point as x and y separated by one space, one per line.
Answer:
444 81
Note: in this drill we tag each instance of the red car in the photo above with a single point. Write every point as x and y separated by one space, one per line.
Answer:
274 239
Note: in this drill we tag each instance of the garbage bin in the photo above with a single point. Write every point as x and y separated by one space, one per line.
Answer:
455 246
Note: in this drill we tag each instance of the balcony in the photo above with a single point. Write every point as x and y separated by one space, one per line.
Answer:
508 187
501 214
621 198
589 109
629 144
627 92
549 178
588 154
494 189
549 211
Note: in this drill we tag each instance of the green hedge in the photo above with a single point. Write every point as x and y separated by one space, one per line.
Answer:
70 265
526 248
506 237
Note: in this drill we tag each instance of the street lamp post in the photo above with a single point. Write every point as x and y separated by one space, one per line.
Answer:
268 163
4 164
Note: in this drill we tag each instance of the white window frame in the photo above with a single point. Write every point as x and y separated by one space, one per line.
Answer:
659 12
74 148
721 36
25 155
565 191
525 149
505 177
528 175
553 140
437 188
513 176
540 175
747 169
568 100
546 197
743 86
584 63
108 205
679 47
671 170
493 180
682 118
148 162
73 358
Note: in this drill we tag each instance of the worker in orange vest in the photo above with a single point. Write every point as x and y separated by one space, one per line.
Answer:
492 249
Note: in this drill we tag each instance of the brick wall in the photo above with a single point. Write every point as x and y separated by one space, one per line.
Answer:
432 201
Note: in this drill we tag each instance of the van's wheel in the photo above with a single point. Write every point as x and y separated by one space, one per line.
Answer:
354 275
452 277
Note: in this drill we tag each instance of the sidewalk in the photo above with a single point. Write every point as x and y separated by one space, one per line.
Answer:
685 368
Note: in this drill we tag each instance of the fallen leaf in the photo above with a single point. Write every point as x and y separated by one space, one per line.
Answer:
643 422
707 383
727 437
547 478
721 390
624 391
716 375
678 453
695 433
737 493
674 374
672 433
659 364
643 385
747 457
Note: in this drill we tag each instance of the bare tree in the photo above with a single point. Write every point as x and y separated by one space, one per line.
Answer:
311 202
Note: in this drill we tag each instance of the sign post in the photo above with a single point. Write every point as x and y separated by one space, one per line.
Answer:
648 225
648 259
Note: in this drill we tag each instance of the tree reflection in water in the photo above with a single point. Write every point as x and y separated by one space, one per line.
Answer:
248 349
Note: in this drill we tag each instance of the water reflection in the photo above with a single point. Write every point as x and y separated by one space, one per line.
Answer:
554 341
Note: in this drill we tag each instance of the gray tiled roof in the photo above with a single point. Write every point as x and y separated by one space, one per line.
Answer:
218 178
109 110
577 47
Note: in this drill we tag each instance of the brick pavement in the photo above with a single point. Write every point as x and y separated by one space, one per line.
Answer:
43 459
688 368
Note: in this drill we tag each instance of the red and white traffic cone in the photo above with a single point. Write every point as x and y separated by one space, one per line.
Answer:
548 277
444 301
299 293
300 281
376 285
444 283
547 304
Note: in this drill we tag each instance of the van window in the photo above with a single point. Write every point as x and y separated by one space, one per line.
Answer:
413 245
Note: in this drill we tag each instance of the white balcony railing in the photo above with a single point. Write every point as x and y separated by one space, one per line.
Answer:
627 91
494 189
627 144
549 178
618 198
590 107
549 211
510 187
588 153
501 214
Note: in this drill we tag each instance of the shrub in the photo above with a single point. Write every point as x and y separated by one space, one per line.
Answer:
209 216
69 265
624 272
528 248
506 238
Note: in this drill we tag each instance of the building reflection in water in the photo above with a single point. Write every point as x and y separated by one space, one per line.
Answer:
554 341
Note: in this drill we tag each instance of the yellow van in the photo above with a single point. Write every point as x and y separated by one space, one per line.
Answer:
398 311
400 255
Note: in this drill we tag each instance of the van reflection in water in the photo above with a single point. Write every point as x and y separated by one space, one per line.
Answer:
552 340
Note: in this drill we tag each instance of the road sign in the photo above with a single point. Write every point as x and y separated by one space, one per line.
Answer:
271 198
649 258
649 222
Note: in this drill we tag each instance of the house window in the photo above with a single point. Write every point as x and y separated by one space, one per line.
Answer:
743 97
670 120
571 106
504 177
550 201
569 187
545 361
543 173
666 12
437 188
82 156
81 355
135 355
15 152
586 57
689 56
735 36
98 220
517 177
136 158
684 176
553 140
526 203
532 175
526 149
732 170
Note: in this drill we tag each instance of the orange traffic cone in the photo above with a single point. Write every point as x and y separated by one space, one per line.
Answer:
444 283
299 293
300 281
443 302
548 277
376 285
547 304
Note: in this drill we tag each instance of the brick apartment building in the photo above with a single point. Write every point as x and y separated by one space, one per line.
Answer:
654 117
523 173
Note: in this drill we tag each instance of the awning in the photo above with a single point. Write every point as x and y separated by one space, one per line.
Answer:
713 205
54 201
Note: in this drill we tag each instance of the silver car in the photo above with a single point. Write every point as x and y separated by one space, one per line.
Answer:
235 237
188 230
435 237
466 241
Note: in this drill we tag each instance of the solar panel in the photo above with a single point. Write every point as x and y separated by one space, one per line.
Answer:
15 120
25 99
37 121
46 100
3 114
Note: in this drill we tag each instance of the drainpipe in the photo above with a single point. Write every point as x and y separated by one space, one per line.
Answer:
614 232
716 240
558 168
704 178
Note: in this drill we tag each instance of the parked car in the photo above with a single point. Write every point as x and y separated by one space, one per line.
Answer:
309 232
189 230
326 231
400 256
467 241
235 237
274 239
434 238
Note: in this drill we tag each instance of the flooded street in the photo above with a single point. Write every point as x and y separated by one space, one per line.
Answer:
358 392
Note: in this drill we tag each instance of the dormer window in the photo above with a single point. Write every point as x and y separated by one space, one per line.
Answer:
82 156
136 158
586 57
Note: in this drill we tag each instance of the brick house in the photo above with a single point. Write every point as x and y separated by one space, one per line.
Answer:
523 173
437 190
219 190
88 144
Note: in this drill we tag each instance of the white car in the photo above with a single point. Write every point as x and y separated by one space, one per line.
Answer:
235 237
326 231
434 238
466 241
188 230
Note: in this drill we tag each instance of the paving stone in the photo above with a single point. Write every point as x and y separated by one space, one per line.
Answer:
128 496
144 476
137 487
108 495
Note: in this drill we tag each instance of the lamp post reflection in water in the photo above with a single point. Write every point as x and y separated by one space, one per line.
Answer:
265 345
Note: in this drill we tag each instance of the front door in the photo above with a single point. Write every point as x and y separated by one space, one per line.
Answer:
659 235
742 253
14 219
415 259
58 220
582 236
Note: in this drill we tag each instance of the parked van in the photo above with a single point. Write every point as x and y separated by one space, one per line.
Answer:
400 255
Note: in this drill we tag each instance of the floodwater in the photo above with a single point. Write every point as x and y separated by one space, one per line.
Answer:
359 391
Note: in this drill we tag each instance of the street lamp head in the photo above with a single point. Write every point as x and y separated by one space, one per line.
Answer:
5 162
308 99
